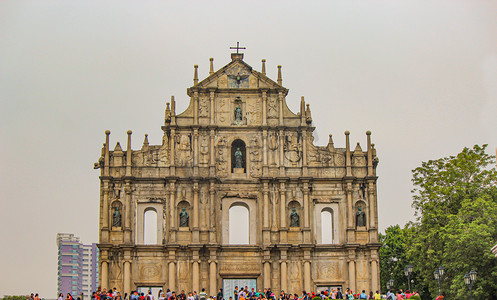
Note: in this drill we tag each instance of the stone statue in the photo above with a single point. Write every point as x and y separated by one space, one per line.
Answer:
184 219
238 158
238 114
116 218
360 217
294 218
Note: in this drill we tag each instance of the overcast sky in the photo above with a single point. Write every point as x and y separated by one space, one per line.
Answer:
421 75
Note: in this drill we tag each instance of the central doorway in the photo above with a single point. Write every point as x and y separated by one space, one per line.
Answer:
229 286
144 289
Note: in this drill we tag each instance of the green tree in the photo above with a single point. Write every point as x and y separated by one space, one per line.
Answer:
393 256
455 199
13 297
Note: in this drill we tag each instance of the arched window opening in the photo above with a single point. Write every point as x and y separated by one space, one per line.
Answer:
150 227
326 226
238 225
238 157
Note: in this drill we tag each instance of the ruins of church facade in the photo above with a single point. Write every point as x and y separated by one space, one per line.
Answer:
238 156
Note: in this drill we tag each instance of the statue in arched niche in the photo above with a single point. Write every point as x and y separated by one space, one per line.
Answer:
238 158
184 219
238 114
116 217
360 217
294 218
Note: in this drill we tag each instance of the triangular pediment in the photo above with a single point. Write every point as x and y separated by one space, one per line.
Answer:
237 75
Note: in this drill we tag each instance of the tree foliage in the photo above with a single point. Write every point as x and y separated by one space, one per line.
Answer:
455 199
6 297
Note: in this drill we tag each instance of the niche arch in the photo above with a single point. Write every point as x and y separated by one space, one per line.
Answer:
327 223
145 211
239 224
235 145
150 226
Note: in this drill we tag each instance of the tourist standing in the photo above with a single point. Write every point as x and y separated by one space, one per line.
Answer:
220 295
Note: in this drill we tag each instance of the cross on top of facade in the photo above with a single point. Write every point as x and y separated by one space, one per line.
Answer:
237 47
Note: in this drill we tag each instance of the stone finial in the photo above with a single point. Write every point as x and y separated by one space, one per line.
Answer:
195 75
280 81
302 111
106 154
128 148
128 154
167 116
358 148
211 69
173 106
370 154
308 117
263 71
331 145
145 143
347 154
118 148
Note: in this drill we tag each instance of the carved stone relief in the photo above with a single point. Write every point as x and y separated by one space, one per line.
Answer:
340 159
204 149
221 158
293 149
272 108
223 111
253 112
203 107
184 153
359 160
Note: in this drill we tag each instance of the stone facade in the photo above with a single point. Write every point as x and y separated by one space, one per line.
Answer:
285 182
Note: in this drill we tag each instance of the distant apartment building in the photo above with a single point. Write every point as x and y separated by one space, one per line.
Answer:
77 270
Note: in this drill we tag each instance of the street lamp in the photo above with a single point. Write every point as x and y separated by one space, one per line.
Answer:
390 283
408 272
469 279
439 273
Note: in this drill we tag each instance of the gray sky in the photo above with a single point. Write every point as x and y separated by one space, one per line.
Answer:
421 75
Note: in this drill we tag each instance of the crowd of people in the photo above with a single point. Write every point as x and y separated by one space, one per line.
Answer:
244 293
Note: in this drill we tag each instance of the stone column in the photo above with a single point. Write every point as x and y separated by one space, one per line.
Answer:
350 212
195 108
265 228
196 279
264 147
105 275
304 153
282 153
105 213
212 278
172 276
172 157
352 275
284 274
127 277
195 213
374 275
283 228
281 99
212 213
307 226
212 153
307 276
264 108
195 147
172 210
127 213
212 108
267 274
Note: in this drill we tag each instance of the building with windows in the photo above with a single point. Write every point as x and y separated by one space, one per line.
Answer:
78 266
238 194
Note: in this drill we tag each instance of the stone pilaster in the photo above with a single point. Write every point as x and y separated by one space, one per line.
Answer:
196 233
